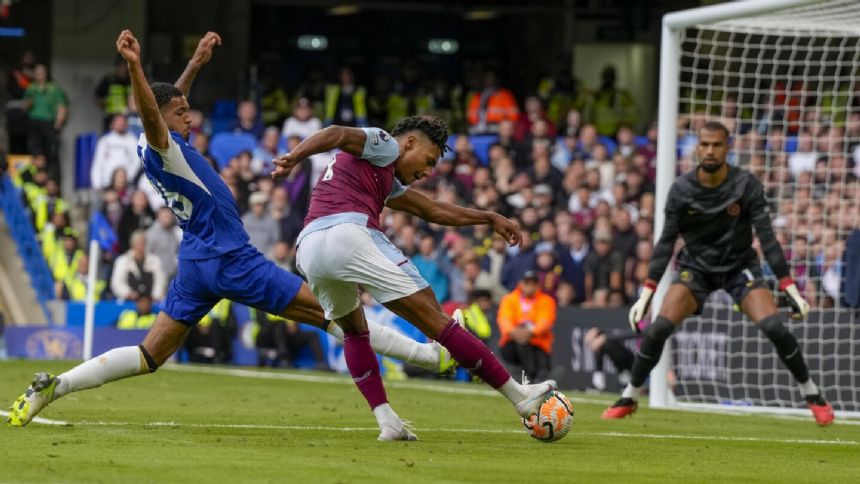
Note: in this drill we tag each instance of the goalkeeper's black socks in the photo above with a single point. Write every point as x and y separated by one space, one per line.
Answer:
653 339
786 346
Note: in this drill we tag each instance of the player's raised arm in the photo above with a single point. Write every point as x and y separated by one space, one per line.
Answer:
153 124
200 58
444 213
350 140
760 215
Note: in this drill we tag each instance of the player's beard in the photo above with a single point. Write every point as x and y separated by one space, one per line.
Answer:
712 167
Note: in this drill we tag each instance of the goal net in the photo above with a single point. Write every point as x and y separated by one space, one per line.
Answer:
787 85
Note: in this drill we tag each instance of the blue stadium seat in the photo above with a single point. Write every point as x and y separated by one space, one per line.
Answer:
791 144
224 146
640 140
481 146
225 108
85 150
609 143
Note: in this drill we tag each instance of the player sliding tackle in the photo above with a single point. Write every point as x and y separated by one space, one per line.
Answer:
215 259
341 246
714 208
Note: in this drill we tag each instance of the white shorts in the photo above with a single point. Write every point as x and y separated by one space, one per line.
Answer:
337 258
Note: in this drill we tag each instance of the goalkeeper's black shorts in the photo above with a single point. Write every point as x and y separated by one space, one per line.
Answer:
737 283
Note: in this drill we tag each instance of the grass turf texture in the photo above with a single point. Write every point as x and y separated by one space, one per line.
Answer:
179 425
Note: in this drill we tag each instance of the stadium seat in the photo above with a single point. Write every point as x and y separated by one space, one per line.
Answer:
224 146
224 108
85 150
640 140
790 144
609 143
452 141
481 146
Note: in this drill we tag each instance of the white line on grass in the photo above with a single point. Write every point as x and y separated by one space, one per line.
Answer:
625 435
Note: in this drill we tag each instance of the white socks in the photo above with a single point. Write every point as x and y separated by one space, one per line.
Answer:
513 391
386 417
116 364
631 392
391 343
808 388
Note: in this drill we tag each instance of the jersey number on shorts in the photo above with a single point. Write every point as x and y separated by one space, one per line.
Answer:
329 171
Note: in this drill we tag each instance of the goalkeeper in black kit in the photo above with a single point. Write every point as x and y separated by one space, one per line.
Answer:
714 208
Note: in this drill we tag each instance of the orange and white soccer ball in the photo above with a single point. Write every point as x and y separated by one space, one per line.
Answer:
552 421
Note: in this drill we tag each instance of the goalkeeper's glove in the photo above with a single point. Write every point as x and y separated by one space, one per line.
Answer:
637 312
799 306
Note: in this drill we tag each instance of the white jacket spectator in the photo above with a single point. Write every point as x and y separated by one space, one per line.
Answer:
261 227
302 123
116 149
137 272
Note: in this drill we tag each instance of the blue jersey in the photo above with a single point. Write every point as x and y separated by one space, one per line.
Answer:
205 207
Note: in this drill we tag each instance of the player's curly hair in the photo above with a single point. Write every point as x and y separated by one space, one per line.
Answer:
433 127
164 92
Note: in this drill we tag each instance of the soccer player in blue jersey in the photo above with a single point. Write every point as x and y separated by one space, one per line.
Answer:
215 259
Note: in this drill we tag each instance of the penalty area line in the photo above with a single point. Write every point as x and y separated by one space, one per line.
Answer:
623 435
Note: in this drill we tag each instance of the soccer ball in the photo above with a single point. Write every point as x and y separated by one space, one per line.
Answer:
553 420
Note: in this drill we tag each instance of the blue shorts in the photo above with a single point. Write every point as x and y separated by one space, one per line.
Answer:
242 275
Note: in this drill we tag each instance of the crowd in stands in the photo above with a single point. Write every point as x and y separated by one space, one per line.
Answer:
569 164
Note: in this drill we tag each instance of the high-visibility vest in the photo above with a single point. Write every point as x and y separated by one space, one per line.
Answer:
220 311
359 104
477 321
39 205
501 106
60 264
129 319
76 285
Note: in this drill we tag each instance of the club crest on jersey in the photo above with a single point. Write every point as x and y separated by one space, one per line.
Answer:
383 136
686 276
733 209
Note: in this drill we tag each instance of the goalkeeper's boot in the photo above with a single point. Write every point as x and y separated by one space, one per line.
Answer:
38 396
620 409
391 433
821 410
536 394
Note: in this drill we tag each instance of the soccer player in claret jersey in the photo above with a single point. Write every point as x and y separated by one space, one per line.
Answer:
341 246
714 208
215 259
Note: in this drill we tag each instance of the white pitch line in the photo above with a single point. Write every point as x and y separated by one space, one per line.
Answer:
45 421
720 438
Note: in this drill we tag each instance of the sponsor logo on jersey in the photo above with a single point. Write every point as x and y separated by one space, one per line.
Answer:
686 276
733 210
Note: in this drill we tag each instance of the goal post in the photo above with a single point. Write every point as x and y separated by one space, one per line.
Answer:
778 73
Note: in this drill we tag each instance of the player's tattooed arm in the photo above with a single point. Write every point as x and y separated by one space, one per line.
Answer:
200 58
444 213
350 140
153 124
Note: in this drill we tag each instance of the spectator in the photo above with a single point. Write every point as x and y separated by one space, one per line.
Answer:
604 269
261 227
47 109
73 287
211 340
280 340
247 120
302 123
805 157
522 261
137 272
478 279
116 149
282 256
573 263
287 218
141 317
526 319
480 315
65 259
266 151
427 263
623 234
136 216
162 239
613 346
135 124
491 106
113 93
534 111
345 102
19 78
547 269
611 106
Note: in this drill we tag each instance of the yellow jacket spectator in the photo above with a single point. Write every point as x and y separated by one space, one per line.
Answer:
74 286
66 257
345 103
610 106
141 317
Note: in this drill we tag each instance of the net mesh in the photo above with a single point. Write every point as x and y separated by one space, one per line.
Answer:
786 85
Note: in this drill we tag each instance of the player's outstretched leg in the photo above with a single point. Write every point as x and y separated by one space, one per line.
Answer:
385 341
791 356
165 337
364 369
422 310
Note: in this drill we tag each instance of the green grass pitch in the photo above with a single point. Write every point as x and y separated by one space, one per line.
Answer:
202 424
